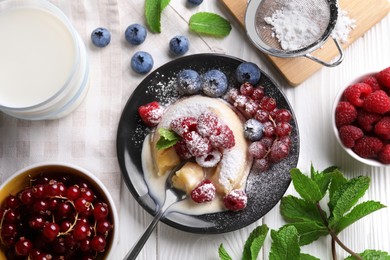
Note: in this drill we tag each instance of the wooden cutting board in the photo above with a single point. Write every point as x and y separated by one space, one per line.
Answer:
296 70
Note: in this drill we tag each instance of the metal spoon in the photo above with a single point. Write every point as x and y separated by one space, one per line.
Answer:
172 196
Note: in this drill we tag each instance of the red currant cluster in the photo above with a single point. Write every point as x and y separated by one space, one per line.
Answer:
55 218
275 143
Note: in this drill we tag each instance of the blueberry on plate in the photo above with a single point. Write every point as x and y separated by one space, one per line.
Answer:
253 130
179 45
135 34
142 62
101 37
195 2
188 82
214 83
248 72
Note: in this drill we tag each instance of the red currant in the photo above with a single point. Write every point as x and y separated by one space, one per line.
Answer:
23 247
50 230
98 243
73 192
100 211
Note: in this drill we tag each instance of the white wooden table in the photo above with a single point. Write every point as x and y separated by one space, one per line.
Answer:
312 102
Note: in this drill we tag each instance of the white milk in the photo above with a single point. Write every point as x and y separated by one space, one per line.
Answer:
38 54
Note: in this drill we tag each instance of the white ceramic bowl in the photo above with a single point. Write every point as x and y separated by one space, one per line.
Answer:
21 179
366 161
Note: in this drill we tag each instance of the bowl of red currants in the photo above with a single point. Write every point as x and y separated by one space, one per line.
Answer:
361 118
56 211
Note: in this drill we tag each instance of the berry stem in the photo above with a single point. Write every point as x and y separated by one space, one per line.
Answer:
1 225
75 218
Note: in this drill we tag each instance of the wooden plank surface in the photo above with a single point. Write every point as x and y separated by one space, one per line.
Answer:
296 70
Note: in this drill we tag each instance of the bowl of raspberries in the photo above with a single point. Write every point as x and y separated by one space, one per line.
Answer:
361 118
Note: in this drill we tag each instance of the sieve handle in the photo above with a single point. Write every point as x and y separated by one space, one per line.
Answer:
337 62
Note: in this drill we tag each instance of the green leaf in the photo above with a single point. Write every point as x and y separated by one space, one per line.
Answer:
372 255
359 211
308 257
254 242
285 244
153 9
337 181
309 231
347 196
167 139
223 255
323 180
305 186
209 24
294 209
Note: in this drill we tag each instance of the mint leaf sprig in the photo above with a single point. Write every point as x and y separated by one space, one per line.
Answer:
168 138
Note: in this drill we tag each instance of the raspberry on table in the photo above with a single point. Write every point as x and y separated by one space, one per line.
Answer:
366 120
383 77
373 82
346 113
377 102
204 192
355 94
383 126
368 147
349 134
236 200
151 113
384 154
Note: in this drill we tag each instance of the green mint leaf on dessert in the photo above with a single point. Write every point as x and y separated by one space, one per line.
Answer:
254 242
309 231
153 9
168 138
294 209
346 196
223 255
209 24
359 211
372 255
305 186
285 244
308 257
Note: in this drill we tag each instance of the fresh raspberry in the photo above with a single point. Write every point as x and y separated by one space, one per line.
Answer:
383 77
283 115
204 192
268 103
262 116
225 139
279 151
355 94
257 150
236 200
183 125
209 160
208 124
345 113
383 126
258 93
251 107
349 134
196 144
151 113
246 89
373 82
377 102
368 147
384 154
366 120
182 150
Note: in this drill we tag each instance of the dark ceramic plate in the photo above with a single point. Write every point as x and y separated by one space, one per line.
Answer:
264 189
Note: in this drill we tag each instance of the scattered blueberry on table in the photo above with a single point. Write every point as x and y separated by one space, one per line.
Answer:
179 45
248 72
195 2
188 82
101 37
142 62
214 83
135 34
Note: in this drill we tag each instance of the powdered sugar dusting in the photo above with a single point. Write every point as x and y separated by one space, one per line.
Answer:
343 27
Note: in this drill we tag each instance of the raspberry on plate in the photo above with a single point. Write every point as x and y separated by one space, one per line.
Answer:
151 113
345 113
356 93
384 154
377 102
209 160
208 124
383 77
196 144
183 125
225 139
368 147
349 134
182 150
204 192
236 200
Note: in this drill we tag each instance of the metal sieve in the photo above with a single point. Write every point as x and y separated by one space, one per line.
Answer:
322 15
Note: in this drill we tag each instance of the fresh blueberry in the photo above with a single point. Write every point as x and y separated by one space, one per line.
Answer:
101 37
214 83
135 34
195 2
179 45
253 130
248 72
142 62
188 82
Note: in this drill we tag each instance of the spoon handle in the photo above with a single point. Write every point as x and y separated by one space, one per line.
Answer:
133 253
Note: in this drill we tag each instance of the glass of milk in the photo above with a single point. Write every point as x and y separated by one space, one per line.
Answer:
44 67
